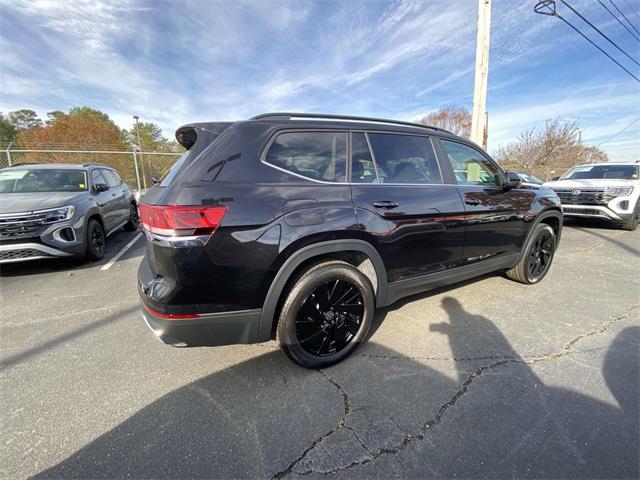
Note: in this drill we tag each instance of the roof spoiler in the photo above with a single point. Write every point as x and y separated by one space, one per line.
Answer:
204 133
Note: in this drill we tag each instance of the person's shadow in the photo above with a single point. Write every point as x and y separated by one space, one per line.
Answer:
266 416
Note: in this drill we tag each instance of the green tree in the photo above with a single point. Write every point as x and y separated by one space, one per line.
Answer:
25 118
7 130
151 138
90 114
53 116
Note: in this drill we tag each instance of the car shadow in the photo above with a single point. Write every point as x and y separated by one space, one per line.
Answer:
115 243
266 417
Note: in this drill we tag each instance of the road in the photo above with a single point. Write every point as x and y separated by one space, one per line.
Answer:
488 378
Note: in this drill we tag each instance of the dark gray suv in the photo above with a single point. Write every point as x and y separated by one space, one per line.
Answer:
61 210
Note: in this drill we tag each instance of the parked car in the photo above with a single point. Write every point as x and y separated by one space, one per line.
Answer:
60 210
608 191
296 227
528 178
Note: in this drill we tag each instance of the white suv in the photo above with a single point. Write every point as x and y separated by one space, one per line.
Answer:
608 191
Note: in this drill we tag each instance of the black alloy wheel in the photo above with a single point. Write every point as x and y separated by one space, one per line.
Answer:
540 255
329 318
326 314
537 256
96 240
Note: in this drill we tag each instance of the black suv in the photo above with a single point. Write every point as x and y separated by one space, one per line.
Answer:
297 226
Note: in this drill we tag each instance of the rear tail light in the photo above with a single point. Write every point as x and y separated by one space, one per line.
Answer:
181 220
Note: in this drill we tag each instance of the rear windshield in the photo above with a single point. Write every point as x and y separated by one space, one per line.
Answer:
173 171
618 172
42 180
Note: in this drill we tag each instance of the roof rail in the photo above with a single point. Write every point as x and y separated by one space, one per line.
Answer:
21 164
91 164
349 118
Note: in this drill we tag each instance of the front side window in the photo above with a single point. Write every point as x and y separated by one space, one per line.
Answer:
404 159
97 177
470 167
13 180
316 155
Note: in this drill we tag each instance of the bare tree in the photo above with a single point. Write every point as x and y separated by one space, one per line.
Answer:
549 151
450 117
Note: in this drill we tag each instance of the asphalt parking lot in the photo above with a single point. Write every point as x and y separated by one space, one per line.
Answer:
488 378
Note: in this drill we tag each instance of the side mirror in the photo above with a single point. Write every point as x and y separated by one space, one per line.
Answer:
155 180
513 181
553 179
100 187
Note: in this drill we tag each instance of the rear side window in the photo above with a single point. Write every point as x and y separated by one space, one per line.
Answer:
316 155
404 159
469 165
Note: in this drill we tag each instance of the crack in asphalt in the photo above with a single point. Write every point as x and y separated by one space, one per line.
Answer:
338 426
412 437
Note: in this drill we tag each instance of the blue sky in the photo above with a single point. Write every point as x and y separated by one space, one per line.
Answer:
173 62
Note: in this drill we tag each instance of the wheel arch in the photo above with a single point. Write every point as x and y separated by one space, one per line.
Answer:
551 217
301 259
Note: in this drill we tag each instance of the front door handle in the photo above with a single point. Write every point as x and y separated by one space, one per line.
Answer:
385 204
472 201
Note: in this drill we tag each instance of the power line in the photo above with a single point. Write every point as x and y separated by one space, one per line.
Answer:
624 16
601 33
551 5
621 131
619 21
635 12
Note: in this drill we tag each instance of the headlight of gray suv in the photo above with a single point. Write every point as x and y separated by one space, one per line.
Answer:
54 215
619 191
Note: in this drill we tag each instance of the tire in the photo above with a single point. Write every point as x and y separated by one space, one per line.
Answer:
632 223
134 220
96 240
314 332
537 258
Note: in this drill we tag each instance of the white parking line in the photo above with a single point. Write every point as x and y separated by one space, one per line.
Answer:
110 263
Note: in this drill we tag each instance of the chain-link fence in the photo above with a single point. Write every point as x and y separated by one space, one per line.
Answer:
136 168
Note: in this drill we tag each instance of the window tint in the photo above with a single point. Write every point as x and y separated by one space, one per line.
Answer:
469 165
317 155
110 177
363 170
96 177
404 159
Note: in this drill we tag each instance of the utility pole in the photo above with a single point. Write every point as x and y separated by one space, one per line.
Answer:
144 177
479 113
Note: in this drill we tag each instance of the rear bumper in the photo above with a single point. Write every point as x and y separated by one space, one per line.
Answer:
213 329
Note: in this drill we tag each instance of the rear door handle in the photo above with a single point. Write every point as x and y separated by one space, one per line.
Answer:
385 204
472 201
